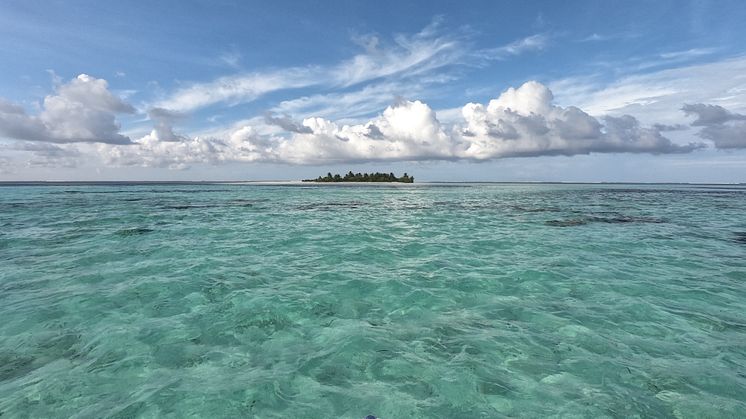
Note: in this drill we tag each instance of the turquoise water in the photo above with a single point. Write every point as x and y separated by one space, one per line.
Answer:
464 301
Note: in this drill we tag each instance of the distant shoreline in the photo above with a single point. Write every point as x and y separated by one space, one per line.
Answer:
312 184
375 177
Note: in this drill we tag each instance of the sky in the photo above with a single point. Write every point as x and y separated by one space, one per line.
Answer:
591 91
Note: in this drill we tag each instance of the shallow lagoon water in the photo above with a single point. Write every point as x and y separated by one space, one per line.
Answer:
398 301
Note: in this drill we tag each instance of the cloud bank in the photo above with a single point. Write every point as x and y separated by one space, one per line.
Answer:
521 122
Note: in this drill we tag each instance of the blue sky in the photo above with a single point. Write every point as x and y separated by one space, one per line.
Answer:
496 90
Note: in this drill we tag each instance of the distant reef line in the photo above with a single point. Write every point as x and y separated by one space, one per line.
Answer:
363 177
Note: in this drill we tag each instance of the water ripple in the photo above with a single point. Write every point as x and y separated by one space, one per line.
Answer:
465 301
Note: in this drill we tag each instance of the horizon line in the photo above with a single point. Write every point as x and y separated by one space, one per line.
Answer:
300 181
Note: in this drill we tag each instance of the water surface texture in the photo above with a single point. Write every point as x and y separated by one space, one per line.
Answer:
462 301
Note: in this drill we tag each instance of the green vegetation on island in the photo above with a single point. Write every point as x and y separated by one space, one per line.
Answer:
363 177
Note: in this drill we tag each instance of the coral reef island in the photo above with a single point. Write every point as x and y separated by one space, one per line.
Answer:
363 177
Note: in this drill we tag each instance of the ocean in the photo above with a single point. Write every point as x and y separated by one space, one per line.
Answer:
398 301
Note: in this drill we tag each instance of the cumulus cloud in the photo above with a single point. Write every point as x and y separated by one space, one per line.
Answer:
708 115
525 122
242 144
726 129
287 123
407 130
83 110
163 129
521 122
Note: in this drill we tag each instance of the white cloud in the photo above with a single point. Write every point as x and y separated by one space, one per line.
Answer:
726 136
83 110
237 89
535 42
286 123
353 105
163 129
657 97
596 37
727 130
686 54
408 56
708 115
524 122
520 122
405 131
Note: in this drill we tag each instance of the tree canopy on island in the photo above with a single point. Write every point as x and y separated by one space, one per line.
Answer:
363 177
